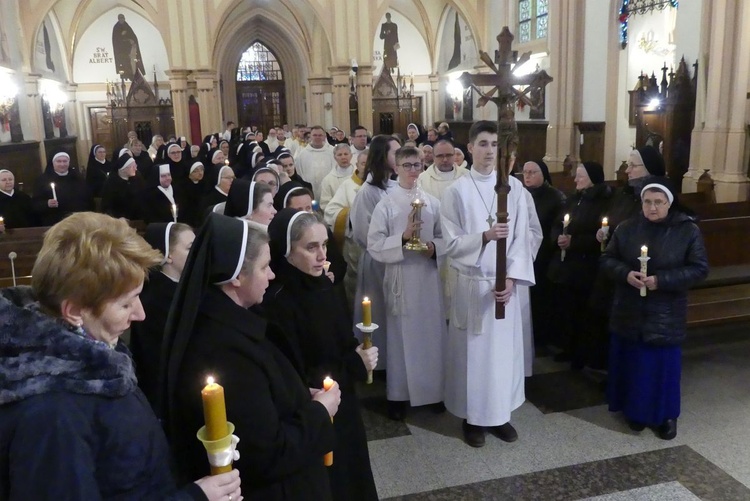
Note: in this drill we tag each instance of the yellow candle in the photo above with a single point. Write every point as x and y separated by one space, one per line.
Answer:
328 458
644 251
366 312
215 415
605 222
2 220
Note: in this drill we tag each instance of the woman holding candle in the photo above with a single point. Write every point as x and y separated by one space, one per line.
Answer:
70 193
380 171
174 241
645 353
316 324
160 201
73 423
98 169
574 277
284 426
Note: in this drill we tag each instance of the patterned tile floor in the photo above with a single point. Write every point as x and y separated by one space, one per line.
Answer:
572 448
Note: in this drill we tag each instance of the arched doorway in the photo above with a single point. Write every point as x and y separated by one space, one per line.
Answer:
261 99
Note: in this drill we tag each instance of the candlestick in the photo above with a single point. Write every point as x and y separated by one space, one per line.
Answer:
328 458
644 266
366 312
605 233
566 222
174 212
415 243
54 193
367 330
217 434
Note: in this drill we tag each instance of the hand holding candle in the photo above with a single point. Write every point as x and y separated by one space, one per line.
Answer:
566 222
328 458
54 193
644 267
605 233
216 435
366 312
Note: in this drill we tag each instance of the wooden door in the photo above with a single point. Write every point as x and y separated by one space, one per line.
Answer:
262 104
101 128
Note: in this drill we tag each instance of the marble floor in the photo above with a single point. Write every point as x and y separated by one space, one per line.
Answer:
572 448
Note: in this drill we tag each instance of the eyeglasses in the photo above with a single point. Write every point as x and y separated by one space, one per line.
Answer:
631 165
530 172
414 166
654 203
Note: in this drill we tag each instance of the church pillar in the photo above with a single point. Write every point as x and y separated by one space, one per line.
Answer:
719 137
433 106
364 97
316 105
30 107
208 100
178 86
563 95
340 98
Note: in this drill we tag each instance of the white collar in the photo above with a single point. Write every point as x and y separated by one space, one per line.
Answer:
8 194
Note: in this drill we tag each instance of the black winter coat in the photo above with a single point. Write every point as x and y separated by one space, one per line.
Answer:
679 261
283 432
158 209
73 423
73 195
586 209
16 210
548 201
121 197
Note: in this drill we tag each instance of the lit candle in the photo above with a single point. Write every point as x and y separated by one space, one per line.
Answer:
328 458
174 212
226 162
566 222
605 222
54 193
644 251
605 233
215 415
326 264
2 220
644 267
366 312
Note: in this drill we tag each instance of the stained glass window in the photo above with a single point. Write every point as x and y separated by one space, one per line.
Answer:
533 19
258 63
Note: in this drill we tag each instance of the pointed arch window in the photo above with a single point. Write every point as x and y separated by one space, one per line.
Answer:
258 63
533 18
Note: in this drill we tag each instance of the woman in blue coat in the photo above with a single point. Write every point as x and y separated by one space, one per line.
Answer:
647 331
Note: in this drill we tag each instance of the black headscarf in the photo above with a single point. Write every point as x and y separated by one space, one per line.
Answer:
157 236
216 258
545 170
279 232
595 172
240 198
652 160
280 200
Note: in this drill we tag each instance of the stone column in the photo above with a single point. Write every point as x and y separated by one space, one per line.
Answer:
433 106
30 107
340 97
563 95
316 104
178 86
208 100
364 96
719 137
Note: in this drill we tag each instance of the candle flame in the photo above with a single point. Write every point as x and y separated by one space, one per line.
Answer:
210 380
365 298
52 184
566 218
605 220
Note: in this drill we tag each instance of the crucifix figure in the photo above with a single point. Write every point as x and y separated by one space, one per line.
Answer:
507 90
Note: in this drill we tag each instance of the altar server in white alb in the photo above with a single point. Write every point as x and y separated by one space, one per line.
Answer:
412 289
485 361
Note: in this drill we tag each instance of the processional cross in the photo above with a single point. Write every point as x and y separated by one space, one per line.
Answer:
507 90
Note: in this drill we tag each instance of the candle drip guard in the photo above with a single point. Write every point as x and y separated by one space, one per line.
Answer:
367 331
221 453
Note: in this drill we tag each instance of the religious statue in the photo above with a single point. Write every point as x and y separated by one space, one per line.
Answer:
389 35
126 50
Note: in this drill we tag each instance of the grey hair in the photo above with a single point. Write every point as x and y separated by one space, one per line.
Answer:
256 239
340 146
301 224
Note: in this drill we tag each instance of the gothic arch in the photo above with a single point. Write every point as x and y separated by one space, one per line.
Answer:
424 28
443 23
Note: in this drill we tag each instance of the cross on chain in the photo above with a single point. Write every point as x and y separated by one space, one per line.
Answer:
507 90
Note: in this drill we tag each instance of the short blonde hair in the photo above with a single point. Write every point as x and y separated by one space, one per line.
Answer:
90 259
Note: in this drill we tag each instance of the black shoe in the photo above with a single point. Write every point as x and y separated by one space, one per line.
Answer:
397 410
668 430
505 432
636 426
473 435
438 408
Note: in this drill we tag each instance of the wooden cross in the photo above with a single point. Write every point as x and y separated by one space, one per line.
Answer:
507 90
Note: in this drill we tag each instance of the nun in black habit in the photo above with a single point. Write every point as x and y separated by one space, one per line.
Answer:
218 194
98 169
121 192
163 200
15 205
284 426
173 240
317 328
70 193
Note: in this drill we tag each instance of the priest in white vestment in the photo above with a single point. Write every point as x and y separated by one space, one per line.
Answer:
415 320
340 173
315 160
485 361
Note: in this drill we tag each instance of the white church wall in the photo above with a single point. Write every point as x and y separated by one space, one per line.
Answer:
412 53
595 62
688 26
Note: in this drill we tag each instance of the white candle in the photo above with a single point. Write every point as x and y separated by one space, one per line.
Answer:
54 193
174 212
644 251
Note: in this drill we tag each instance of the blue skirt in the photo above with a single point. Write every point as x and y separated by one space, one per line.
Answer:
644 381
